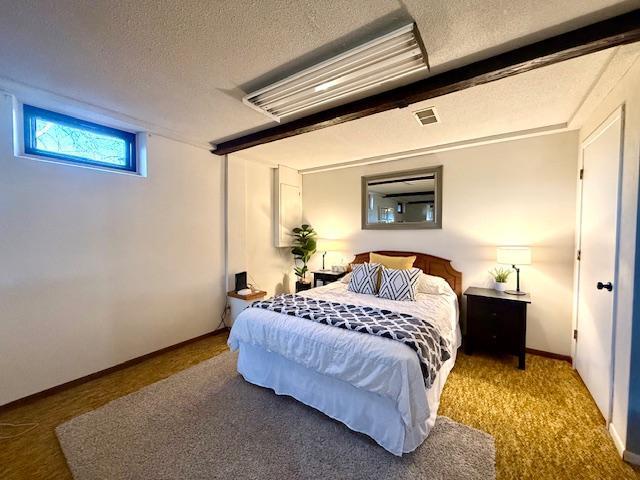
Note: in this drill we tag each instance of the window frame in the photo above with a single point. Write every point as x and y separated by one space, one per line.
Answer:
29 115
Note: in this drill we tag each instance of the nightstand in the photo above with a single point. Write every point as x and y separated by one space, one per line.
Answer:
326 276
237 303
301 287
496 321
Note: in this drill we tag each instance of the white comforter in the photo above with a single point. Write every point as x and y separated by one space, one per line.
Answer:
375 364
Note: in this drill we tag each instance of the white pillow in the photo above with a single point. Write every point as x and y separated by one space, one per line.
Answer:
346 278
433 285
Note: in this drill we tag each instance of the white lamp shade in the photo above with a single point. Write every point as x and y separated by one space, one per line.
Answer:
329 245
514 255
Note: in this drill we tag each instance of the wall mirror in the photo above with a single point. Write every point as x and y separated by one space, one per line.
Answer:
403 200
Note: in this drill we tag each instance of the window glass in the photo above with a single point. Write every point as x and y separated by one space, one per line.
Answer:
67 138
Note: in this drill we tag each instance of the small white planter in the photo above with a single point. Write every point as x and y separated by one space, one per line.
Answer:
501 287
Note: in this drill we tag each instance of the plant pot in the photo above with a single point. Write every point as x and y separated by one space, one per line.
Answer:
500 286
301 286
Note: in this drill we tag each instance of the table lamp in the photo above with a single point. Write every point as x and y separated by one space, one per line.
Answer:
514 256
327 245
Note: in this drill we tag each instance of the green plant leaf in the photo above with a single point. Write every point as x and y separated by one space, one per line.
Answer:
500 274
303 248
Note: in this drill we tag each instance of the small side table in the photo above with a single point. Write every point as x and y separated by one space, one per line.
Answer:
238 303
326 276
497 321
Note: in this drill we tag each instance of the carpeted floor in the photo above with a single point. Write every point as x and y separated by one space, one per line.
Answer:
207 422
544 422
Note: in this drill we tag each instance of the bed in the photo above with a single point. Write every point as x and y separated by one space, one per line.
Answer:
374 385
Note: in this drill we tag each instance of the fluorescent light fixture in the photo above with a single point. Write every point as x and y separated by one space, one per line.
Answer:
326 85
385 59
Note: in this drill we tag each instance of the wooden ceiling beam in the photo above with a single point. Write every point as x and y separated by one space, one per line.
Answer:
615 31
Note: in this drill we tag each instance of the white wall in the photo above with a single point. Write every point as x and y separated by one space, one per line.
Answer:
520 192
236 211
626 92
97 268
251 228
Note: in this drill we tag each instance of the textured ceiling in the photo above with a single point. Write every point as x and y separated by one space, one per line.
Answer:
184 65
539 98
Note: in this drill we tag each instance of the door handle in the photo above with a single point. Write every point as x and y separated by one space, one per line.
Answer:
606 286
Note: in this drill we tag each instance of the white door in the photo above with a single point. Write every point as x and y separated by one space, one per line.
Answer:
601 155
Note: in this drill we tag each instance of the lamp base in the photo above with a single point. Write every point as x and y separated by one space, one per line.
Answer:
515 292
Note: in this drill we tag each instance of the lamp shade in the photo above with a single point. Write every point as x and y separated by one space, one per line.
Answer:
329 245
514 255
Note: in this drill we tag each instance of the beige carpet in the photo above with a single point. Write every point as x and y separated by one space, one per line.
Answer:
207 422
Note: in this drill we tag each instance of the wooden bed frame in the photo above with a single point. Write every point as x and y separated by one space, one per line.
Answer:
429 264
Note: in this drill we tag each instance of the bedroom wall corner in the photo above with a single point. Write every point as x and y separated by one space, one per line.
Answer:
251 227
236 205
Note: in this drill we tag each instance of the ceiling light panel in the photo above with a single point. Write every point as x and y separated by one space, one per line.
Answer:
385 59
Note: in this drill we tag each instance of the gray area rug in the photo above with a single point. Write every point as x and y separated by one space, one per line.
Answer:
208 423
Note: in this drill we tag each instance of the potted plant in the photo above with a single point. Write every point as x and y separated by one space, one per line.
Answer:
500 276
304 246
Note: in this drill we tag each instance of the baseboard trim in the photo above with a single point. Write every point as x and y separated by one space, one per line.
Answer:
555 356
106 371
632 458
136 360
617 441
626 455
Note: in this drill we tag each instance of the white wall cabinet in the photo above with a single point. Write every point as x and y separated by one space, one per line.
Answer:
287 204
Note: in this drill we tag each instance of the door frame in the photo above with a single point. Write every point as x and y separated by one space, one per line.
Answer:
619 112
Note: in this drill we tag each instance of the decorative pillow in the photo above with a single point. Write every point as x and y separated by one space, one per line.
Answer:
398 263
433 285
364 278
399 284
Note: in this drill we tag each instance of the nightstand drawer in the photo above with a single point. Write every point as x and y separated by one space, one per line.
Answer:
489 311
326 276
495 324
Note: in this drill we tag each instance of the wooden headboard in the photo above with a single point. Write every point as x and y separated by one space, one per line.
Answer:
429 264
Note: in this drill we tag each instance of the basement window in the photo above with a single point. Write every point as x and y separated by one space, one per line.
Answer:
71 140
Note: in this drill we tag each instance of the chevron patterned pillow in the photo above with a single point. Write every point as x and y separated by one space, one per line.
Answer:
399 284
364 278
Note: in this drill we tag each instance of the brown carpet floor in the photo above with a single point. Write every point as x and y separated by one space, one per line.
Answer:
544 422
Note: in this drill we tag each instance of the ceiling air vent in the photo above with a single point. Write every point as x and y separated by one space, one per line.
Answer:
384 59
426 116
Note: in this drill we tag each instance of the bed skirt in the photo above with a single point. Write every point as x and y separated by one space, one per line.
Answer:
360 410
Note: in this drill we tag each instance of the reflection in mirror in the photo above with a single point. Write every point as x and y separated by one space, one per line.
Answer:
409 200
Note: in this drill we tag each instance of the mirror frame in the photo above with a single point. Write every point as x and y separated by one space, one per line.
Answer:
403 226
